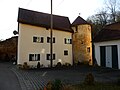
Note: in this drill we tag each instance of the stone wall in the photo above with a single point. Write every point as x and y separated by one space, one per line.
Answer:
82 46
8 49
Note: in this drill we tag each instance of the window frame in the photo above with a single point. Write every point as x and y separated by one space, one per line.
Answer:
48 56
38 39
88 49
67 40
34 57
49 40
66 53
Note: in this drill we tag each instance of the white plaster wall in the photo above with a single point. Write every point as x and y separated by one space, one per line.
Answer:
107 43
26 45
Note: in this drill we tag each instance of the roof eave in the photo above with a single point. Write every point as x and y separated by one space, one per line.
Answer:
48 27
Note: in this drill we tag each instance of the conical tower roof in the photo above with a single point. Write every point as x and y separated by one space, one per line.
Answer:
79 21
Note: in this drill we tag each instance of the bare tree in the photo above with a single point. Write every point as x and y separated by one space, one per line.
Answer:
109 14
112 7
102 18
118 16
98 21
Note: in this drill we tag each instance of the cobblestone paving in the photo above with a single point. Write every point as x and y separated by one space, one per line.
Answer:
30 80
36 79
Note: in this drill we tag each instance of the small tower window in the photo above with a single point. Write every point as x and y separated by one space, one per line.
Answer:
76 29
82 42
88 49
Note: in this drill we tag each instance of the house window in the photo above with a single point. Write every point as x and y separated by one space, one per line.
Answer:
65 52
68 41
38 39
88 49
48 57
34 57
34 39
53 39
48 39
41 39
76 29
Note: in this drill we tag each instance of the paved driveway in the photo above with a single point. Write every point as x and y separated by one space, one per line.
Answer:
36 79
8 79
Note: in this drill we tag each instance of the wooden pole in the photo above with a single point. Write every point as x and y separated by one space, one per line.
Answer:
51 38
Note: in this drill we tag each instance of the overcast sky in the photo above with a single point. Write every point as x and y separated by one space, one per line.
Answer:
69 8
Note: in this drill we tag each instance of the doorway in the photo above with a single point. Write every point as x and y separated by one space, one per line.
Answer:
109 56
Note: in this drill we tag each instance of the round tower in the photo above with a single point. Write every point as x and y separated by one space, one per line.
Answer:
82 45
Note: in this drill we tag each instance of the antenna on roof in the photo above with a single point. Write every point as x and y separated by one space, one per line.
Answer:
79 14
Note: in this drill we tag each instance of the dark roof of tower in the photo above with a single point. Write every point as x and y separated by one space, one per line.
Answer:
79 21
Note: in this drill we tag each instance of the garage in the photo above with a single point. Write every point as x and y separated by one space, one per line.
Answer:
109 56
107 46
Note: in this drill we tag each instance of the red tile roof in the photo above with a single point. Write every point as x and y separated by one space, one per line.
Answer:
43 19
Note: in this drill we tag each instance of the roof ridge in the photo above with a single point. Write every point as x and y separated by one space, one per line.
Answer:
42 12
43 19
78 21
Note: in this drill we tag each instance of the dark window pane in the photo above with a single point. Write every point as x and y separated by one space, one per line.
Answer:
48 56
65 52
88 49
35 56
41 39
103 56
31 57
38 56
53 56
53 39
48 39
34 39
65 40
70 41
76 29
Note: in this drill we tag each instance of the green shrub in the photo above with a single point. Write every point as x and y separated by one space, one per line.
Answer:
57 85
59 64
68 65
25 66
20 66
118 81
89 79
49 86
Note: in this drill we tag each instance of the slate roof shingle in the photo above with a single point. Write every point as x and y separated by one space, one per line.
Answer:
107 35
43 19
79 21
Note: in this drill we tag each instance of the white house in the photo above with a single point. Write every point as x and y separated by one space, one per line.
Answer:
107 46
34 38
71 42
